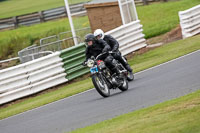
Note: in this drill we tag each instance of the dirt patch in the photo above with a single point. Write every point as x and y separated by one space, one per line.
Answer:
173 35
158 41
168 37
9 64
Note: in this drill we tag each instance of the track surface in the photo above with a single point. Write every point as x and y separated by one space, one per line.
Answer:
161 83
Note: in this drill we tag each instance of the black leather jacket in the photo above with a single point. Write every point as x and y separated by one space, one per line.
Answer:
112 42
97 48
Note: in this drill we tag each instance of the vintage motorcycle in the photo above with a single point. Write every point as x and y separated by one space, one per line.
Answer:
104 79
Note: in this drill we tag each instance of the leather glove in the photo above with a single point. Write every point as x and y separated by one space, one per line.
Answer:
84 63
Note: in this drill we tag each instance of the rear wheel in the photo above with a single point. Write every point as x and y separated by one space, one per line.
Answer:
124 86
101 85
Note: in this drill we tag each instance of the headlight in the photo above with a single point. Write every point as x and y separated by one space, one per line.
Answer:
90 63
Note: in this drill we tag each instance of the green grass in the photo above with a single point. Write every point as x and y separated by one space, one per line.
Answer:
13 41
165 53
160 18
181 115
138 62
156 18
10 8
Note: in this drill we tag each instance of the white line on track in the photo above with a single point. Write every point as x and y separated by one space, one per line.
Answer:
168 62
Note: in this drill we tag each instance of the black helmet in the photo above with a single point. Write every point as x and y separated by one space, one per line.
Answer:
89 37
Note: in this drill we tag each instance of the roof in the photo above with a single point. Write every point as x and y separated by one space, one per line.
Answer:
101 1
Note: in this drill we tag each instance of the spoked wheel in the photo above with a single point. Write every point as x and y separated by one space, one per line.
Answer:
130 76
100 85
124 86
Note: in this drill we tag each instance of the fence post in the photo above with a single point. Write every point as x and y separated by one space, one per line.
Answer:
66 12
41 16
15 21
145 2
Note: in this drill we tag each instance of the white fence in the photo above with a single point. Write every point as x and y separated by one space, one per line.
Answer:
129 36
31 77
190 21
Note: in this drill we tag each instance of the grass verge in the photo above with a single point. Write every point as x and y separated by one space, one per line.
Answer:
165 53
10 8
160 18
139 63
181 115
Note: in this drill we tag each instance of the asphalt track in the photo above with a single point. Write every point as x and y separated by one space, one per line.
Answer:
155 85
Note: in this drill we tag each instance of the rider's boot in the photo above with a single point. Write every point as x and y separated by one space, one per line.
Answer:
128 68
124 62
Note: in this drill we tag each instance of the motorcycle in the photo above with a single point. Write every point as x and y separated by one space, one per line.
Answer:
104 79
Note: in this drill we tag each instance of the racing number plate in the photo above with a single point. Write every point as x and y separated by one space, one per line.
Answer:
94 69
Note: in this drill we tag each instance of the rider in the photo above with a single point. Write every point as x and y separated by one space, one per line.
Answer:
99 34
96 47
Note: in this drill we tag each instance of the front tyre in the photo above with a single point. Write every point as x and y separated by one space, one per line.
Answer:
100 85
124 86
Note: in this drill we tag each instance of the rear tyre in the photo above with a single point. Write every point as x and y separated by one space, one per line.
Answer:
124 86
100 85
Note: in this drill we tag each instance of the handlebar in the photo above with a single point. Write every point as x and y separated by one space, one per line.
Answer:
101 54
93 58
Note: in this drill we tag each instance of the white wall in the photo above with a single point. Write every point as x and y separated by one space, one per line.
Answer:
31 77
129 36
190 21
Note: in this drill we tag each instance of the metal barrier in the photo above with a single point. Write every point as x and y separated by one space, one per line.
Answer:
51 44
36 52
69 42
8 60
190 21
49 39
80 33
129 36
40 74
73 58
31 77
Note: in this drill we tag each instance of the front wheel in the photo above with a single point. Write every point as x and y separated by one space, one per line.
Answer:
100 85
124 86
